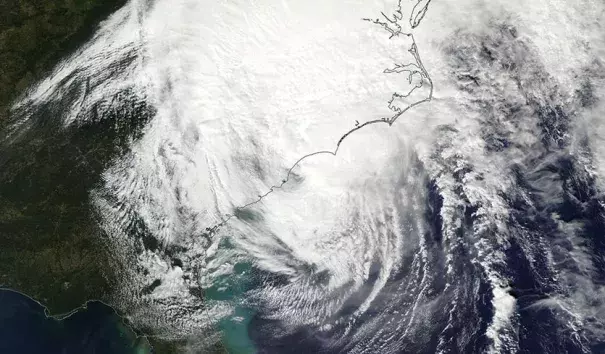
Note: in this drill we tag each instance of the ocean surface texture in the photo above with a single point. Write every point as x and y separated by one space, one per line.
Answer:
343 176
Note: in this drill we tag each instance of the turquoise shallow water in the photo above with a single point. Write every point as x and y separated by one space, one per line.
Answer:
234 329
25 328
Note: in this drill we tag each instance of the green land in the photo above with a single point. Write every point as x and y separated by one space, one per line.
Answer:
50 241
35 34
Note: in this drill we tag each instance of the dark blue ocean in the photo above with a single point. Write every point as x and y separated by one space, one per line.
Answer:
25 329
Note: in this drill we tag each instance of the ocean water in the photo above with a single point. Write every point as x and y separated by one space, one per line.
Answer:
354 177
234 328
25 328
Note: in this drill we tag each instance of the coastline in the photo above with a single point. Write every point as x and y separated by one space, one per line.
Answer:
140 343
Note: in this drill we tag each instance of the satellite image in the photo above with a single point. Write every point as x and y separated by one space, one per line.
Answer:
302 176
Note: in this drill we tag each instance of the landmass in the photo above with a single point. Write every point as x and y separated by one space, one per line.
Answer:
51 247
35 35
398 102
418 12
96 327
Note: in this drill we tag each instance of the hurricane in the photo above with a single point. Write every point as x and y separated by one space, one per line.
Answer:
345 176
